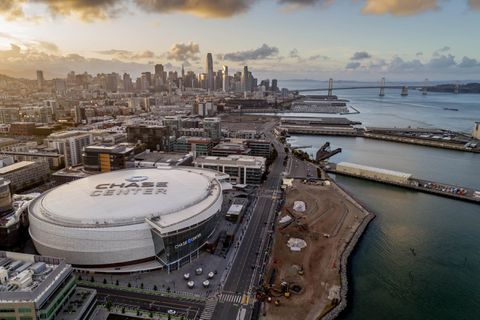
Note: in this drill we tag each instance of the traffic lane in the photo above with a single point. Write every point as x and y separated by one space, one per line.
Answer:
152 302
225 310
190 312
240 267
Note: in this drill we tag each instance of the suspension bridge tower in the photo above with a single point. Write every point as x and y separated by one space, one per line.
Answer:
382 87
425 87
330 87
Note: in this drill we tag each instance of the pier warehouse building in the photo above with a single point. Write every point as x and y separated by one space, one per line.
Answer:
129 217
359 170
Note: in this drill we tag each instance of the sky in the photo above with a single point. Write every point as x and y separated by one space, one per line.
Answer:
402 40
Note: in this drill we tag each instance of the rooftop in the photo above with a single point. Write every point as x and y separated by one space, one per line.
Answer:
25 277
232 159
129 196
16 166
374 169
161 157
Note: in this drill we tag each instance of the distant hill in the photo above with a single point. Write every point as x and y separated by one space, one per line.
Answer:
463 88
7 81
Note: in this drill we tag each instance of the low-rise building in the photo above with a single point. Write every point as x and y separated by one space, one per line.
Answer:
104 158
242 169
229 148
155 159
39 287
154 137
200 146
25 174
22 128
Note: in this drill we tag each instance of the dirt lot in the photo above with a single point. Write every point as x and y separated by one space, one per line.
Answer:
327 224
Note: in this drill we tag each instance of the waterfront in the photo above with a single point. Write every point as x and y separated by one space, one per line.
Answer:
441 280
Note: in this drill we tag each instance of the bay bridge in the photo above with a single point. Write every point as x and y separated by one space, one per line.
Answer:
404 88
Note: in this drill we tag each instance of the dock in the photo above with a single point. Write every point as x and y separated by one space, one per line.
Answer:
436 138
404 180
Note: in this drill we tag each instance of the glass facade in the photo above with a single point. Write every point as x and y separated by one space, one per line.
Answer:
176 248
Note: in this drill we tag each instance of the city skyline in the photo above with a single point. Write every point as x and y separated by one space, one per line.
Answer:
365 40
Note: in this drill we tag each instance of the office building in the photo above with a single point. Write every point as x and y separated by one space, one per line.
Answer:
70 144
39 287
25 174
103 158
153 137
227 148
213 128
40 80
209 72
199 146
225 84
241 169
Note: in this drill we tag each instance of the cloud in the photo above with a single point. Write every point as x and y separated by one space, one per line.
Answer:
128 55
87 10
469 63
12 9
294 54
438 52
360 55
184 51
399 7
22 62
317 57
297 4
264 52
90 10
442 61
200 8
48 46
353 65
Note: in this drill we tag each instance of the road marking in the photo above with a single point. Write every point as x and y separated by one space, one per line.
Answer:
210 306
232 298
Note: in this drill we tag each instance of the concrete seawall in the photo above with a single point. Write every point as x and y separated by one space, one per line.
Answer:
345 255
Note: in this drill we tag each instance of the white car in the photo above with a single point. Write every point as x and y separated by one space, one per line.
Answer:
172 312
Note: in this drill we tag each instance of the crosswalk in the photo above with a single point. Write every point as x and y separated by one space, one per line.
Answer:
233 298
207 313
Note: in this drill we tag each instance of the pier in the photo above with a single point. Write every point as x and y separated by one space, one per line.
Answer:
436 138
404 180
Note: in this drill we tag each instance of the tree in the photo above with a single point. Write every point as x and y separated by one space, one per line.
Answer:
108 305
129 285
123 310
116 282
141 285
92 279
155 288
104 281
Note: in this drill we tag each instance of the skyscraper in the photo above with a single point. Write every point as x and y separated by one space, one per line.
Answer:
209 72
245 81
225 84
40 79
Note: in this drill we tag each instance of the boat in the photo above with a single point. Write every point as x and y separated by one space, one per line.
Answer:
451 109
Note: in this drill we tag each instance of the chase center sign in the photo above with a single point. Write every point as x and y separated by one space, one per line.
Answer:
133 186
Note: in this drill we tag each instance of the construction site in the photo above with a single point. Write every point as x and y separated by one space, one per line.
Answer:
315 232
